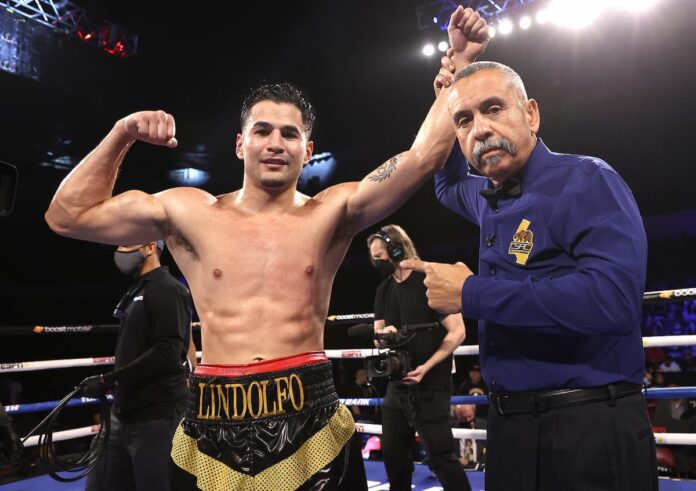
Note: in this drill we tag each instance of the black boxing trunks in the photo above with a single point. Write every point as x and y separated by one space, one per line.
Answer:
274 425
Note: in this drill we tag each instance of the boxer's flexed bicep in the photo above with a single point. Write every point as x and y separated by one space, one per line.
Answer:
129 218
84 207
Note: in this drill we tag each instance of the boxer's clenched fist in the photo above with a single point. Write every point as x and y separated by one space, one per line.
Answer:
468 36
155 127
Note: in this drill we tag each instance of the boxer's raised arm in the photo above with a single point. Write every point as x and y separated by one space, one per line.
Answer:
385 189
84 208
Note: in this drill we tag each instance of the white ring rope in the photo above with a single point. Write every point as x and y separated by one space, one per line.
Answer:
459 433
373 429
469 350
28 366
657 341
58 436
462 433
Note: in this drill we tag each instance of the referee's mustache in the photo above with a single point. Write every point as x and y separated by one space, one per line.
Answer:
483 146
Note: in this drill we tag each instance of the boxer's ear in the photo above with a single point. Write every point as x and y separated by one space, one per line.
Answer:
8 187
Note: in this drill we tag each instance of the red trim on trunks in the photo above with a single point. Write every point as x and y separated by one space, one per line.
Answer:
263 366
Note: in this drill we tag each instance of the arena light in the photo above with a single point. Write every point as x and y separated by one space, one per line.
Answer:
575 14
505 27
317 173
67 17
634 5
189 176
542 16
442 46
58 153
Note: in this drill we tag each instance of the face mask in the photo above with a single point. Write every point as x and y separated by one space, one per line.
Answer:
384 268
129 262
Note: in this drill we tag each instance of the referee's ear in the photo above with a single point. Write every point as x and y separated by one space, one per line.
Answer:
533 116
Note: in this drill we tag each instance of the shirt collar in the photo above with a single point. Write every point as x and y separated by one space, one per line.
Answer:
535 163
151 275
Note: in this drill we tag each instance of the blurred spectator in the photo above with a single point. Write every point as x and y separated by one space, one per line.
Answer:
475 386
659 379
648 378
654 356
669 365
677 408
361 388
678 416
688 364
689 311
471 452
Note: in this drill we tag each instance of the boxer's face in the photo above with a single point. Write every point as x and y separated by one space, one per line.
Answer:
495 126
274 145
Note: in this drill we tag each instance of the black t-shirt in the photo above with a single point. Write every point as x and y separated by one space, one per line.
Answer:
468 388
405 303
153 336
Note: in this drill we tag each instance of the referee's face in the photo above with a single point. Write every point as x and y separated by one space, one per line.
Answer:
496 128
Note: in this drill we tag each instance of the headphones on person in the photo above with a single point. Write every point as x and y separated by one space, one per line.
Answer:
395 250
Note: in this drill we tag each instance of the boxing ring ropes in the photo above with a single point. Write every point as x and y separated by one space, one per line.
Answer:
663 296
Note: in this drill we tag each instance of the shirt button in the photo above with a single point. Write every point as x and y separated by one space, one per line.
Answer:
493 271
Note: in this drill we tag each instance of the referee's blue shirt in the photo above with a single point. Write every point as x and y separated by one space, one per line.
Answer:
561 273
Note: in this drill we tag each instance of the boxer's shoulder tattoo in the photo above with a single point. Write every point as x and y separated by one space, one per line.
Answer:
384 171
170 231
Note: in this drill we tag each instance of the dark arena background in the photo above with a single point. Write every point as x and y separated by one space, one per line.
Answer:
613 80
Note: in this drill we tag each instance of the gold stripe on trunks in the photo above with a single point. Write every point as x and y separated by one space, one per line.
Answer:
287 475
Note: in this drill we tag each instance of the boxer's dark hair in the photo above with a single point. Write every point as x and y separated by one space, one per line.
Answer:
280 93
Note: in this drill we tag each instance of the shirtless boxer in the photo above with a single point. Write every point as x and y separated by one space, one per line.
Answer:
260 262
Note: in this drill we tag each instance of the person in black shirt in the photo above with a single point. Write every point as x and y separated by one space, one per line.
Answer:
475 386
420 401
149 381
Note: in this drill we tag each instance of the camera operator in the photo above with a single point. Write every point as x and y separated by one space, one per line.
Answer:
419 400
